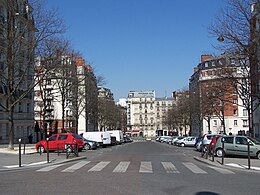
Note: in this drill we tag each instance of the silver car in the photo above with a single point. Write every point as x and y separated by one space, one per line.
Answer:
237 145
186 141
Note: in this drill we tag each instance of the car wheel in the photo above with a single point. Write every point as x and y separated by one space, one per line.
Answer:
220 152
87 147
182 144
258 155
40 149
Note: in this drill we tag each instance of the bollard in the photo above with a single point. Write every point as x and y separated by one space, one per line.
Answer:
248 150
222 160
76 150
207 151
59 149
20 154
67 153
213 154
23 145
47 149
40 149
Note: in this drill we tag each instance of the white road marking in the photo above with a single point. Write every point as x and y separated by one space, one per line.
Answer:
169 167
122 167
98 167
194 168
220 170
76 166
146 167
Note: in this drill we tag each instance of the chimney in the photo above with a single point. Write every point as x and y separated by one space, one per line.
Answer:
205 57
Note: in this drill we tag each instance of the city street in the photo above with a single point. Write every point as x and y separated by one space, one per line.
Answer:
135 168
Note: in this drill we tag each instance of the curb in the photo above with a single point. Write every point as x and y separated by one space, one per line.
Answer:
45 164
217 164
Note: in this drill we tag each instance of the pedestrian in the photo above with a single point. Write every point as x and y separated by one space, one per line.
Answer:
30 137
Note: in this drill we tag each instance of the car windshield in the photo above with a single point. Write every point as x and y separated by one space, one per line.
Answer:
76 136
253 140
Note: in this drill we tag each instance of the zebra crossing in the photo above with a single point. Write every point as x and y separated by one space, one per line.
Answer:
145 167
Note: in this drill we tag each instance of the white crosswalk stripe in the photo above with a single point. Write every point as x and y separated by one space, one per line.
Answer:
169 167
121 167
76 166
146 167
220 170
194 168
98 167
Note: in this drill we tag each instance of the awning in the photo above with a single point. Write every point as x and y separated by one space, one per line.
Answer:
135 131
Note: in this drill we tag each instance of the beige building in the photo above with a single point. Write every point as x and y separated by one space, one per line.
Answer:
146 113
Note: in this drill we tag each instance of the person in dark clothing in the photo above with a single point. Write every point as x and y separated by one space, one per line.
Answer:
30 137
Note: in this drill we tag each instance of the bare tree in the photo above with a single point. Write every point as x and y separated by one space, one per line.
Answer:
109 115
232 27
23 31
46 67
179 116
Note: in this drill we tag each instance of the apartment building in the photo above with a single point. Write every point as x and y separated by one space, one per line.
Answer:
216 107
254 67
66 97
16 70
146 114
88 102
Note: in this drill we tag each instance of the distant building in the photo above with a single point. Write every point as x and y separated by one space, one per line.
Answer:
105 93
146 114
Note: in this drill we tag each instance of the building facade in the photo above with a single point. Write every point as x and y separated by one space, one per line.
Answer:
146 114
216 106
66 96
254 68
16 70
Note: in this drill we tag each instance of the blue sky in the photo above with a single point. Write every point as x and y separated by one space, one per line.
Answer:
141 44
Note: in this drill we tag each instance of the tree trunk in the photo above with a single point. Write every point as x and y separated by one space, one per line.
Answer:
11 128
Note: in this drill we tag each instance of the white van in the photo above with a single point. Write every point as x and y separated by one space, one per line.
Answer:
103 138
118 134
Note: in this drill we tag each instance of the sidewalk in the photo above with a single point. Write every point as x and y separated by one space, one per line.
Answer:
10 158
232 162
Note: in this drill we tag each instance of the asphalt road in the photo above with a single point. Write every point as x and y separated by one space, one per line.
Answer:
135 168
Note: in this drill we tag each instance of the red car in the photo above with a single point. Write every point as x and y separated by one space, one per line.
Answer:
58 142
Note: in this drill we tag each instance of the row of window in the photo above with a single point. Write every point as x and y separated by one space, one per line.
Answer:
245 123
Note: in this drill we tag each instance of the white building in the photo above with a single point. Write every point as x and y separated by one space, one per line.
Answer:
146 113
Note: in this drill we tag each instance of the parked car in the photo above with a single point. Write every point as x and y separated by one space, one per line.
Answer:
186 141
237 145
118 134
102 137
58 142
174 142
199 145
164 138
128 139
206 138
90 145
171 140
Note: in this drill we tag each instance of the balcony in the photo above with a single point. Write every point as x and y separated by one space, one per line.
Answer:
49 107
